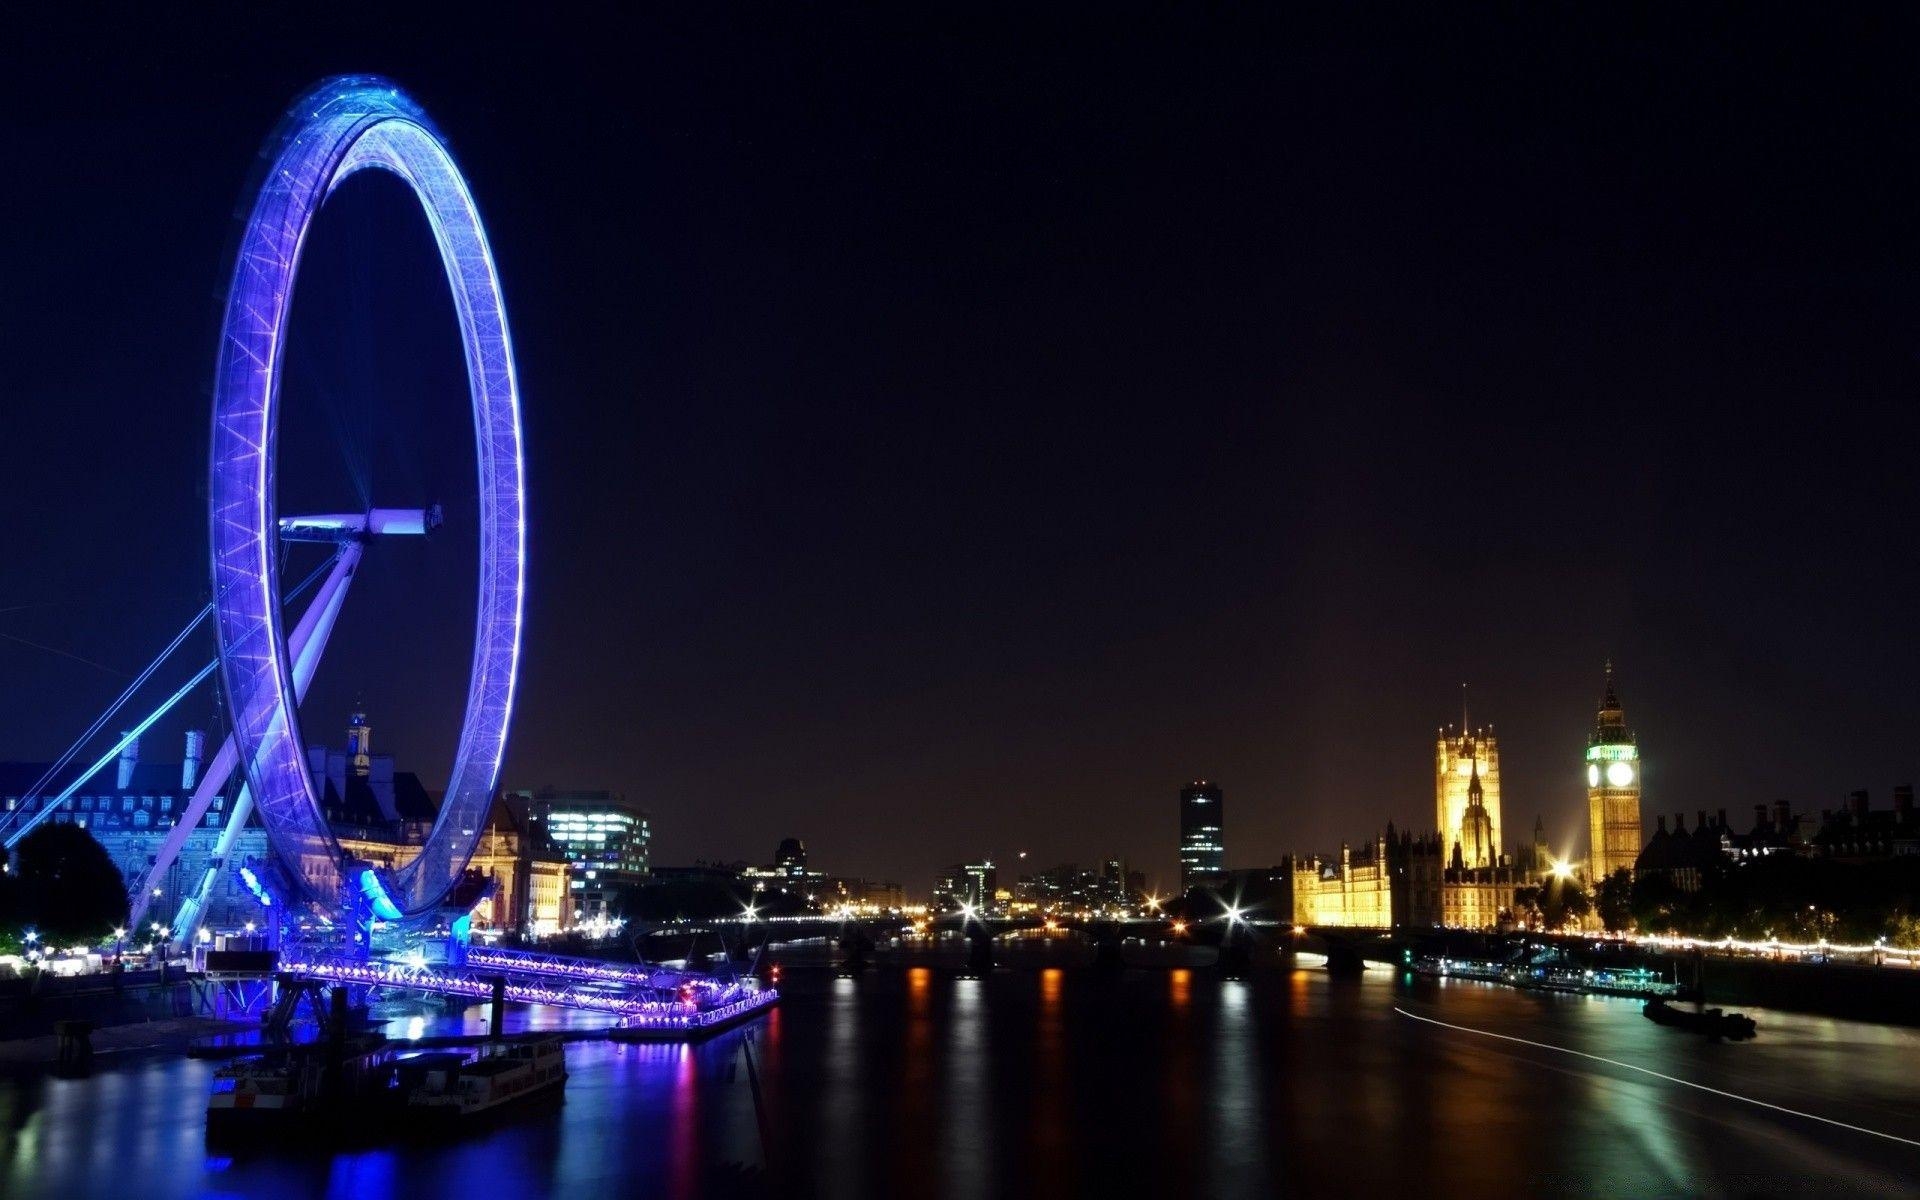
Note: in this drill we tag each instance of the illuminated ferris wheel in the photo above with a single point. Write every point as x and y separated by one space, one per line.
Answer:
343 126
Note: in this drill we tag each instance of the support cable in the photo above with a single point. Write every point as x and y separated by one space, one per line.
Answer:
50 806
106 717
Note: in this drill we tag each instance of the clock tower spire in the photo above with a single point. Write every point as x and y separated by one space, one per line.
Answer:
1613 789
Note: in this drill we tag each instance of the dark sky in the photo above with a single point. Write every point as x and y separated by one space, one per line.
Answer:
950 434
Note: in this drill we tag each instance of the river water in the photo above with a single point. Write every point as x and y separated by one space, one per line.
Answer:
913 1081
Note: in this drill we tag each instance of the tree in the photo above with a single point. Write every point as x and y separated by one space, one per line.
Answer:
1527 908
1567 903
1658 906
65 888
1614 901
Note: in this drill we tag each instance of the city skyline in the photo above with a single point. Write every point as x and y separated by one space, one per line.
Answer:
895 601
1100 500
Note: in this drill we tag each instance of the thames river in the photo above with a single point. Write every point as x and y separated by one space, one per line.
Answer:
913 1081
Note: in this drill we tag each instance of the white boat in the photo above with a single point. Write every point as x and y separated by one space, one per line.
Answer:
503 1074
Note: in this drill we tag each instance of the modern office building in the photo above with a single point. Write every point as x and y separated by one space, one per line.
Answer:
790 857
1202 834
605 840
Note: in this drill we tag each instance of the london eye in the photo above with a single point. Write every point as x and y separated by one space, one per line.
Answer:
339 128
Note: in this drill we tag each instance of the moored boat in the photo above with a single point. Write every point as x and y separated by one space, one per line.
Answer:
299 1090
1712 1022
451 1088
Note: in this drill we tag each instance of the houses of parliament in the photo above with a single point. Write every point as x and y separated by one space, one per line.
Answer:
1458 875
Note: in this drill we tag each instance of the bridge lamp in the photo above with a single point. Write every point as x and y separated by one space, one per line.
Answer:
1233 915
966 912
1179 926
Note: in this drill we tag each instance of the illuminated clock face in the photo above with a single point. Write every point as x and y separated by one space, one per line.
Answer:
1619 774
1593 775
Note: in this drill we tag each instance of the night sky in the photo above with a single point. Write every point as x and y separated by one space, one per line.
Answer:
948 439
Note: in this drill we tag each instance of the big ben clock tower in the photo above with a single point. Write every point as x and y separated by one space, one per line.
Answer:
1613 790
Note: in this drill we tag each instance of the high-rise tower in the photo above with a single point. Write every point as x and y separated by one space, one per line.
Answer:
1463 763
1202 822
1613 790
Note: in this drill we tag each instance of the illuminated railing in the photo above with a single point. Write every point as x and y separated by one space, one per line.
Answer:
689 1008
1821 948
560 966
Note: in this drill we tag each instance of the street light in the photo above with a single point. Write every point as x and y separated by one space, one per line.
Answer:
1562 869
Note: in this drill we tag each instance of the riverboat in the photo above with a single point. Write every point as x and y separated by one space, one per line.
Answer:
299 1090
1713 1022
453 1089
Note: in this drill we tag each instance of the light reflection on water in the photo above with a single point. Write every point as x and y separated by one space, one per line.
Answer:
1063 1081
